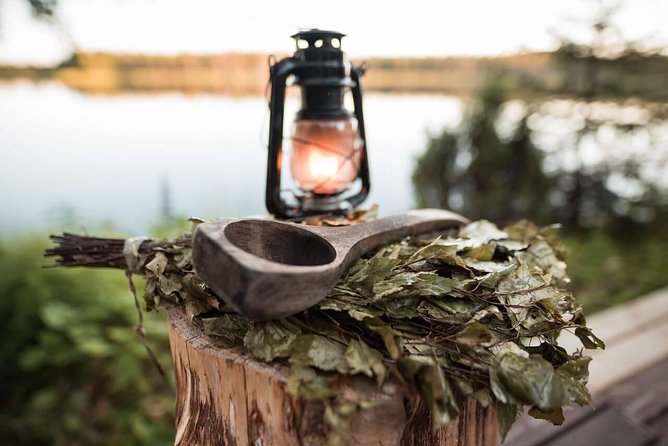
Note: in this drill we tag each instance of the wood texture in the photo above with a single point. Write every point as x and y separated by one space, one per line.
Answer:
271 269
225 398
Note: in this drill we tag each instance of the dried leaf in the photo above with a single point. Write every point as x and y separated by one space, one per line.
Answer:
363 313
555 416
442 253
228 330
414 284
483 396
373 271
540 254
156 267
363 359
588 339
271 340
483 253
532 381
485 266
482 232
506 415
393 343
551 235
521 289
304 382
500 349
428 377
401 307
498 389
338 418
575 374
320 352
474 334
522 230
195 307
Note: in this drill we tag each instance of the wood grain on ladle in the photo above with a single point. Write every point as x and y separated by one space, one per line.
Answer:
271 269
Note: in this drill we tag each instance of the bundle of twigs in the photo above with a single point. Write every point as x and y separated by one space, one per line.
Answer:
73 250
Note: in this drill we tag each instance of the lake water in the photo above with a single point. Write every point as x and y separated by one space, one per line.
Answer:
106 158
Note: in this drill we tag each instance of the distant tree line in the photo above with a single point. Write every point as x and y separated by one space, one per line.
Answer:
589 150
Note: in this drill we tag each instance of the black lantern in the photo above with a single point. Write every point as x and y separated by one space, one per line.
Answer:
328 157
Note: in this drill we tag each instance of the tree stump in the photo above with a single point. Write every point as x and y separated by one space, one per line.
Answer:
227 398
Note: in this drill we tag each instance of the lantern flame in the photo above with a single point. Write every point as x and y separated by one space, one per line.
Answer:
326 155
322 166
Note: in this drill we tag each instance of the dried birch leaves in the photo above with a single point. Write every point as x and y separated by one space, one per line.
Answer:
474 312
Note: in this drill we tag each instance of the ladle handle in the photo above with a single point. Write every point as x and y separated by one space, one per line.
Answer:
363 237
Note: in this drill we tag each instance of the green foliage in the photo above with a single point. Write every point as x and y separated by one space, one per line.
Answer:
490 167
601 155
606 271
72 369
481 174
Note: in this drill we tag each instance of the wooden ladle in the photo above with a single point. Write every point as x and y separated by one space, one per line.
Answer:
269 269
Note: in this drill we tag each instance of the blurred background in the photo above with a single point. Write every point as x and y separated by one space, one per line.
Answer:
125 117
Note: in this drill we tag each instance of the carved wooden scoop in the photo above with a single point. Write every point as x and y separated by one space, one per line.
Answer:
269 269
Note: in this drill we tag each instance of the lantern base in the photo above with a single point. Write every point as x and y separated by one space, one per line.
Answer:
314 203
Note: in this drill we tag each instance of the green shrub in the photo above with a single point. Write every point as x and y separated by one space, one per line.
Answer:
72 369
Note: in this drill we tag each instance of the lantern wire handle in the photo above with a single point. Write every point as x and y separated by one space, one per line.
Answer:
347 157
271 61
263 130
317 144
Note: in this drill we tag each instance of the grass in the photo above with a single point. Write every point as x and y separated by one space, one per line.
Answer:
608 272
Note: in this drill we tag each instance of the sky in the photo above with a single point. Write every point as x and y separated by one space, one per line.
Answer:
374 28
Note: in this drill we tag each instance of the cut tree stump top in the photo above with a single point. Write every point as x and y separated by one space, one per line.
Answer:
228 398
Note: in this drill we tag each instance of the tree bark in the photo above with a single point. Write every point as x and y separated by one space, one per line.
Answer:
227 398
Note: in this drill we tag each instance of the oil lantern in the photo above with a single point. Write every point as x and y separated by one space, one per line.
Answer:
325 157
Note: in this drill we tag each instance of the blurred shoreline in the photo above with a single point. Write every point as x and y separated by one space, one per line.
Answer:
238 74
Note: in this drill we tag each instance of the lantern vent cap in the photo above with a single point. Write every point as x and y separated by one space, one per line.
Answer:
318 38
